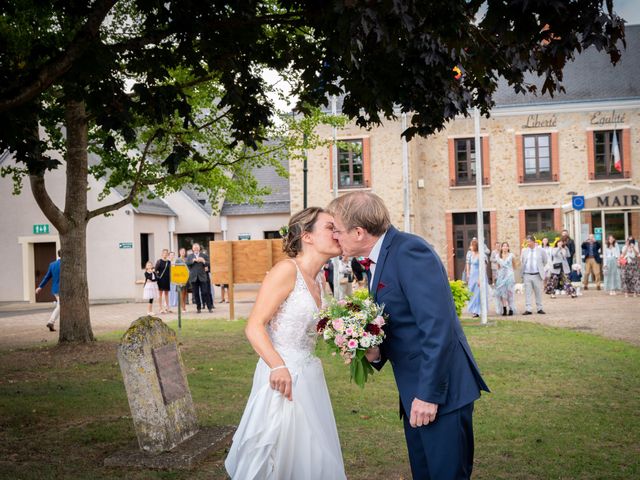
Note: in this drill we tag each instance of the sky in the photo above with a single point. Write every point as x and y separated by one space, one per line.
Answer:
629 10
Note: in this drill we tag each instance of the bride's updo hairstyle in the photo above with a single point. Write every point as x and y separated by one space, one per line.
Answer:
301 222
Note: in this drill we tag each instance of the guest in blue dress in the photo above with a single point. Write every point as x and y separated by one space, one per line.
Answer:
505 282
473 275
612 279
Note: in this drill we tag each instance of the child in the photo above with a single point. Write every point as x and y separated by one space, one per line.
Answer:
150 286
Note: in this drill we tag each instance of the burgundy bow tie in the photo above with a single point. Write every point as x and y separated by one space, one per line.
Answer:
366 263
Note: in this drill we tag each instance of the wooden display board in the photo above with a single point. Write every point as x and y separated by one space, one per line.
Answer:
243 261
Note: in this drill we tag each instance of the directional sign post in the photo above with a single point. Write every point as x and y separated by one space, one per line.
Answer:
577 202
179 276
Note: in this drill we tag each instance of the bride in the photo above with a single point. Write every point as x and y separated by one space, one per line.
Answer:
287 430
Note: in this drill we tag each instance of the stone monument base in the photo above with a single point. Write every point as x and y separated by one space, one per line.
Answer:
184 456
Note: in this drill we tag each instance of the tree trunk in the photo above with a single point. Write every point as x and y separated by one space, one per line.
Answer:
75 322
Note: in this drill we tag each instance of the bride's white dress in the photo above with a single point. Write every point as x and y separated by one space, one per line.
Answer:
278 439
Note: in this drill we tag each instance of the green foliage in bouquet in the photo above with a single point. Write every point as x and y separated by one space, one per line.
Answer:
461 294
349 327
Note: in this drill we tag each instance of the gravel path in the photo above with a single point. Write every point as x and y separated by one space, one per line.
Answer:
595 312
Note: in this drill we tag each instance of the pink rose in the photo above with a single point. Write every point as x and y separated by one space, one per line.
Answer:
379 321
338 324
349 331
352 344
339 340
342 303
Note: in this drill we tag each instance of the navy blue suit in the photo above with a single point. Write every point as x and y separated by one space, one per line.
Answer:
431 358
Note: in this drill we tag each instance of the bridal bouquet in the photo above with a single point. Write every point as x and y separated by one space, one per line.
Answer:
351 326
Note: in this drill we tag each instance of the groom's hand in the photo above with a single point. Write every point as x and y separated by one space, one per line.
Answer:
373 354
422 413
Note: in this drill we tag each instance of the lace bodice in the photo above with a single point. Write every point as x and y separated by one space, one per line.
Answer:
293 328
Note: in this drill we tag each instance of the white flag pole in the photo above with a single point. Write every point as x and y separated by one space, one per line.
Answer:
480 221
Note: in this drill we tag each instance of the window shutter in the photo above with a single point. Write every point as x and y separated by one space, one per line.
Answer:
519 159
331 167
452 162
493 228
451 248
555 158
486 170
557 220
626 152
366 159
591 158
523 226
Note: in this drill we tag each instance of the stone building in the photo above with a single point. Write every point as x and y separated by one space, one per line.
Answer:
537 153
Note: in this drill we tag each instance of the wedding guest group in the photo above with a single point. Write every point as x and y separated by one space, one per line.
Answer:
157 282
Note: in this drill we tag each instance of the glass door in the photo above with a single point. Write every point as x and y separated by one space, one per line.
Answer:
614 225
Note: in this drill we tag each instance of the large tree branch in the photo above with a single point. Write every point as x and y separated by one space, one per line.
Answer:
44 201
58 66
134 188
207 168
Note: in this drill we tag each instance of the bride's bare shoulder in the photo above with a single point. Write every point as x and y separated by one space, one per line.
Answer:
283 271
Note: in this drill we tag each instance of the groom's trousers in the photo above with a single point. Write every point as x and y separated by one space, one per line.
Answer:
442 450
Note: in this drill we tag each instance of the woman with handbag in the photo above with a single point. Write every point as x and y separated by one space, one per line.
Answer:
630 268
559 271
611 269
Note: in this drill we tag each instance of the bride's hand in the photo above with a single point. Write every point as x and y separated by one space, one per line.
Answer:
280 380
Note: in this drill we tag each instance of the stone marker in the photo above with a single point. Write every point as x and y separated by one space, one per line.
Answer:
160 400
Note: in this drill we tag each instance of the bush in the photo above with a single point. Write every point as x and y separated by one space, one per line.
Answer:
461 294
552 235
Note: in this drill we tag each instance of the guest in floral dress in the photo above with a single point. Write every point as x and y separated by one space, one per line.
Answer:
505 281
611 269
631 269
473 279
559 271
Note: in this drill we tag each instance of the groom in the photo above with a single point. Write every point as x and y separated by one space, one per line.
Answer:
437 376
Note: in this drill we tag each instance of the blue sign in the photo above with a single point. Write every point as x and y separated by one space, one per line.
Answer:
577 201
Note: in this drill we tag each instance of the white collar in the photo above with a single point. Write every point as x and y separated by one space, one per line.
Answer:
375 251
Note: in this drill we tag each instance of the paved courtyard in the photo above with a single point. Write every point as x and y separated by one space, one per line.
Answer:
595 312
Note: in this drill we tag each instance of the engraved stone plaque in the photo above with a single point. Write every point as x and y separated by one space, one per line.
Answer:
157 387
169 372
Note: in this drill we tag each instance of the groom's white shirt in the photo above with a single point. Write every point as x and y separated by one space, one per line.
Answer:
373 256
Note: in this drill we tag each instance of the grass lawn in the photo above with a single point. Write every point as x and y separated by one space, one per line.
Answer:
565 405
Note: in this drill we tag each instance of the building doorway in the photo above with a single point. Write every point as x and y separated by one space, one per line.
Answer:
618 224
464 229
43 255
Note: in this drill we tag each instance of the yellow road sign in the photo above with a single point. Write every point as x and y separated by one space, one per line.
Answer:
179 274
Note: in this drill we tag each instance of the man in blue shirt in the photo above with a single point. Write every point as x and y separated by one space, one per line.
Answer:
53 274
